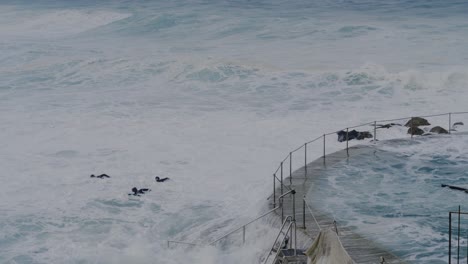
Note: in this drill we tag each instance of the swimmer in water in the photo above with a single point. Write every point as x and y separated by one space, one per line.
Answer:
161 180
100 176
137 192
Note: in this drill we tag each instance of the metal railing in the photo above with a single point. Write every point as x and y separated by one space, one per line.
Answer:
292 224
458 228
374 124
243 227
280 200
289 159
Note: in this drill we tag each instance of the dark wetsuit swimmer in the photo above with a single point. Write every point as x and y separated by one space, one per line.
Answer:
161 180
137 192
100 176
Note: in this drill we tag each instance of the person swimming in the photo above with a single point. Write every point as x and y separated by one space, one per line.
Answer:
161 180
100 176
137 192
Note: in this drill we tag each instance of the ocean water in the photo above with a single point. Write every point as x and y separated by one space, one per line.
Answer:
209 93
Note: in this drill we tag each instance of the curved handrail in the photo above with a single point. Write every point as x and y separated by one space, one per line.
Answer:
224 236
374 123
311 213
290 226
288 218
243 226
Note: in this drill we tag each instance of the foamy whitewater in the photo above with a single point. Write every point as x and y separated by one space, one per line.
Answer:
212 94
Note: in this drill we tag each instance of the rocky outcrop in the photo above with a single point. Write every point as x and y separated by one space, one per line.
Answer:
353 134
438 130
415 131
417 121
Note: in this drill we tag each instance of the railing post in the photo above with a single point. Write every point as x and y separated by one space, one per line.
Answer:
347 144
290 167
303 212
450 238
411 124
281 178
168 244
294 204
274 190
282 210
324 147
305 159
458 237
291 236
375 131
243 235
449 128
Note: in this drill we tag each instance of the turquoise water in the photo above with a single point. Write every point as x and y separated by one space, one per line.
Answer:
393 195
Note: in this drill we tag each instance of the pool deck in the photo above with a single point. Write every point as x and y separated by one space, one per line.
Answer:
360 249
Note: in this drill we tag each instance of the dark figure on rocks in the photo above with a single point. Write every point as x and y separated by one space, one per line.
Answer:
353 134
137 192
161 180
456 125
386 125
100 176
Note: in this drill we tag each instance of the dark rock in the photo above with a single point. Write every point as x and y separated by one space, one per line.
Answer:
438 130
364 134
416 131
417 121
353 134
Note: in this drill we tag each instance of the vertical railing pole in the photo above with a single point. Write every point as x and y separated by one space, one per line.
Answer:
282 210
411 124
243 235
294 204
290 167
294 216
290 236
295 239
305 159
458 237
375 131
347 139
450 238
281 178
274 190
303 212
168 244
324 147
450 128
